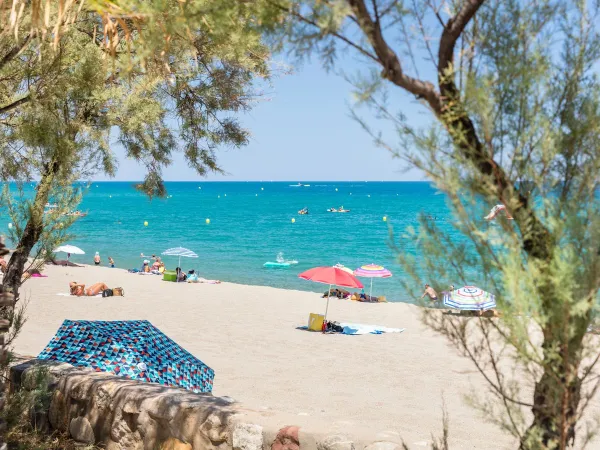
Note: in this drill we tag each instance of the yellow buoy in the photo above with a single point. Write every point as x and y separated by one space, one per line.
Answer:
384 218
145 223
207 221
293 220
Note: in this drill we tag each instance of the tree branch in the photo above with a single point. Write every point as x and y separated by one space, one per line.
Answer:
14 51
389 60
13 105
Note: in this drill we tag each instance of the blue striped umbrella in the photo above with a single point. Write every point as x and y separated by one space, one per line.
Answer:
470 298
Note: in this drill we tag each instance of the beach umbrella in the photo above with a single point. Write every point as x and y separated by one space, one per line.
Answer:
333 276
344 268
470 298
372 271
133 349
180 251
69 249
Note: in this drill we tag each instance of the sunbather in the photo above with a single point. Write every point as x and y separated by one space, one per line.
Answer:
79 289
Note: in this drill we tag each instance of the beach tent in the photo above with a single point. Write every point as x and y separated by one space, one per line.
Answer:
133 349
69 249
372 271
333 276
469 298
180 251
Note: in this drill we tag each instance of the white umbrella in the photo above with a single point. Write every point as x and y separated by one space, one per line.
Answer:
180 251
68 249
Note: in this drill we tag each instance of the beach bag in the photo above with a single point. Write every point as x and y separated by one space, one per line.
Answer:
107 293
119 292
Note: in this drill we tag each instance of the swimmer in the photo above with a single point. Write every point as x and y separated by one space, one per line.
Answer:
97 258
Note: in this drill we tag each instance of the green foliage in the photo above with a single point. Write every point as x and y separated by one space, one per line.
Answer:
514 91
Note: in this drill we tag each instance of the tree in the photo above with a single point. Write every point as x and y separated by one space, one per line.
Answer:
514 99
63 101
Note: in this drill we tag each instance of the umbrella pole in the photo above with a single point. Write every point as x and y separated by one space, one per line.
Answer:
371 294
327 307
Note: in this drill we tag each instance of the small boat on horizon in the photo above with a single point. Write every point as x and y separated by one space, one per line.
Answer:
303 211
299 185
339 210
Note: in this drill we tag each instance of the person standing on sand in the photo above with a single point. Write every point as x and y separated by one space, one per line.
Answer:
431 293
97 259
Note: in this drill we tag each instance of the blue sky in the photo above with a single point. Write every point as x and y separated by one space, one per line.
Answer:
302 131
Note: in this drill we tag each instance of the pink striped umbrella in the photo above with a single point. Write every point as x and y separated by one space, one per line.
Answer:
372 271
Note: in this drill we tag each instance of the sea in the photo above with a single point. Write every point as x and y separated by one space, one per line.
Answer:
235 227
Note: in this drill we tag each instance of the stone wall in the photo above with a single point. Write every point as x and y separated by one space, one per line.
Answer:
116 413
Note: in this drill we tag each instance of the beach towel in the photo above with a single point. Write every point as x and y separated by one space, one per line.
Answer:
357 328
62 294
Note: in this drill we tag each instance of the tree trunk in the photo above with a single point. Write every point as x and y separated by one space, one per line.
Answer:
31 234
558 391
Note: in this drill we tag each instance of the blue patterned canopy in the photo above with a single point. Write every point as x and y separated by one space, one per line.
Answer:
134 349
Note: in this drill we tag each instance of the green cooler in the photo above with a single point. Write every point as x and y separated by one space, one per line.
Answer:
169 275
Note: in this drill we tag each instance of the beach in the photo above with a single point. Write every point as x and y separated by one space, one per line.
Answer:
388 386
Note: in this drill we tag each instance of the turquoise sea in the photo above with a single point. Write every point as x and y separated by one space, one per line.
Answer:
250 222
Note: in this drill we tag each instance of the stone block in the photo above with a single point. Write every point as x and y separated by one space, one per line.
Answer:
287 439
81 430
336 442
247 436
175 444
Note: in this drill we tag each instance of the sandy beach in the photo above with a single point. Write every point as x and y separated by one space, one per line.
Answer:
386 386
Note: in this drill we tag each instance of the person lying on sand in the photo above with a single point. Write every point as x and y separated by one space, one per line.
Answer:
79 289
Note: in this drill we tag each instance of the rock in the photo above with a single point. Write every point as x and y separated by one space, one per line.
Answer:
287 439
336 442
383 445
57 415
175 444
81 430
247 436
214 429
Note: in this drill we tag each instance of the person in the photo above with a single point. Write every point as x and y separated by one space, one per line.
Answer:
181 276
156 264
111 261
79 289
3 264
97 259
431 293
146 267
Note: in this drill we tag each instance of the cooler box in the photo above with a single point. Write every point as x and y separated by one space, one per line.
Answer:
169 275
315 322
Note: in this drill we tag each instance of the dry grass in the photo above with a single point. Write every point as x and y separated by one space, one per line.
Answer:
31 440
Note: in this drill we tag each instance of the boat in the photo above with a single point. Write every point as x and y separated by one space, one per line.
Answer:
340 210
76 214
50 205
303 211
299 185
279 262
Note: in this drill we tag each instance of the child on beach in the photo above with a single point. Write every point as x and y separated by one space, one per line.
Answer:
111 261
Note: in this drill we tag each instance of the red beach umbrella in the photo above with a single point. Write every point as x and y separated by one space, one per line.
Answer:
332 276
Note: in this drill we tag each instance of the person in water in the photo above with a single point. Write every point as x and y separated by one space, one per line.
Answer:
79 289
431 293
111 261
97 259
